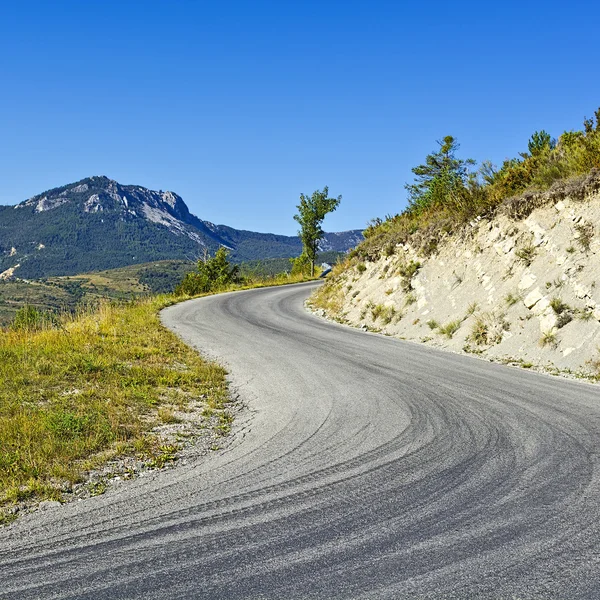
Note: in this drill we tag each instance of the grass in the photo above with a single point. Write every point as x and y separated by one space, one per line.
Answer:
68 293
548 339
511 299
472 308
78 390
74 396
410 298
450 328
558 306
330 297
526 254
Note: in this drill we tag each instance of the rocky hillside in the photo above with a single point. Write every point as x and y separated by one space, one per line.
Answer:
97 224
521 286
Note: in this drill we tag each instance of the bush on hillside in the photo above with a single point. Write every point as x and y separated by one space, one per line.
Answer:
448 191
212 274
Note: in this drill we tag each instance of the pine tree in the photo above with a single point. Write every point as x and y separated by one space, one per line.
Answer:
440 178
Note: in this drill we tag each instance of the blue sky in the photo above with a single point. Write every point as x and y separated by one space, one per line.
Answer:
240 106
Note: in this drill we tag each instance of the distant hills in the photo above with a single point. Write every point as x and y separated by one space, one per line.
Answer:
97 224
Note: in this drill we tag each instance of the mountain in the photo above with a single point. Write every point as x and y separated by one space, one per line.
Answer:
97 223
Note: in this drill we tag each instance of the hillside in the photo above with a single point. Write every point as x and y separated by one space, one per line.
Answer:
97 224
471 268
523 291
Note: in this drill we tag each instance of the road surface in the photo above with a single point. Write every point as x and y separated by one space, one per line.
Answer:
363 467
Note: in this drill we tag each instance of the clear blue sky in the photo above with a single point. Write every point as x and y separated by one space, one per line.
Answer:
240 106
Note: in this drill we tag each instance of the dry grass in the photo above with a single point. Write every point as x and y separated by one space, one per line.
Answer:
91 389
329 297
450 328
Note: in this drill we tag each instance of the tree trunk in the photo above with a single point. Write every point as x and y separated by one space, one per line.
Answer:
312 268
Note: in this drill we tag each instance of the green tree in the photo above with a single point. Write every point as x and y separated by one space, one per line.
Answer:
300 264
311 212
539 142
441 179
213 273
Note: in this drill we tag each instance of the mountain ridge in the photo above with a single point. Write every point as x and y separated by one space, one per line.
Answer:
97 223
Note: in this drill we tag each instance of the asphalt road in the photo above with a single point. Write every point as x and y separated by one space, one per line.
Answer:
364 467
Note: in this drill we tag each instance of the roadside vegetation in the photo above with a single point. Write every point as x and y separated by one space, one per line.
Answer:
449 191
83 387
76 391
68 293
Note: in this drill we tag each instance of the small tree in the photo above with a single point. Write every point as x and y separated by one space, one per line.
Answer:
539 142
440 179
212 274
311 212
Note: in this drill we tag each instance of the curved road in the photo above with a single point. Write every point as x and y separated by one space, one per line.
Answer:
364 467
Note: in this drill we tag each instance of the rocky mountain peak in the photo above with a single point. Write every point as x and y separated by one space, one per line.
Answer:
101 194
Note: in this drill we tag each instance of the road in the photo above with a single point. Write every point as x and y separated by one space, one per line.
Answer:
363 467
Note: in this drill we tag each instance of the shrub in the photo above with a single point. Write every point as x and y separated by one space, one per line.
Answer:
376 311
410 299
558 306
212 274
586 314
447 193
361 267
489 328
387 314
479 332
407 271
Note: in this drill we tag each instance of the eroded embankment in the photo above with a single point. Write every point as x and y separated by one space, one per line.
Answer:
522 288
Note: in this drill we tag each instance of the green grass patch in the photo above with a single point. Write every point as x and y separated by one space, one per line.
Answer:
87 388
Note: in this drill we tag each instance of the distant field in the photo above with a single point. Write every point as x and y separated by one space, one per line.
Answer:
66 293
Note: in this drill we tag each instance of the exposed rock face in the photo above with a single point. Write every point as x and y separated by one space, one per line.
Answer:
99 194
9 273
524 291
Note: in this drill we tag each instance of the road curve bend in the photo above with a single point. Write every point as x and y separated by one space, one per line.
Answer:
363 467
